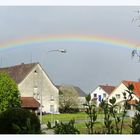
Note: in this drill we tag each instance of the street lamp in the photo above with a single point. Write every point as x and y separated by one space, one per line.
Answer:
57 50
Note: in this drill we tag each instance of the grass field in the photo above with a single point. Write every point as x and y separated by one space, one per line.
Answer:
64 117
98 127
82 117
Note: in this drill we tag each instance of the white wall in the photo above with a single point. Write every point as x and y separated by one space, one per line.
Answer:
119 90
35 84
99 91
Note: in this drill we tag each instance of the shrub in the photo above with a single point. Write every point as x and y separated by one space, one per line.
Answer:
136 124
92 114
64 128
68 110
136 120
19 121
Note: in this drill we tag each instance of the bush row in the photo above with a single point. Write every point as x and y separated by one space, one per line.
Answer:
68 110
19 121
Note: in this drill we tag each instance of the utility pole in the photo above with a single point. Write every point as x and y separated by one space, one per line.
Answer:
41 75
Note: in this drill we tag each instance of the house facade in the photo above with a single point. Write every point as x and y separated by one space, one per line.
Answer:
33 82
102 92
119 90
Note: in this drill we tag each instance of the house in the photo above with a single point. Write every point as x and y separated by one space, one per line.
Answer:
33 83
76 91
101 93
119 90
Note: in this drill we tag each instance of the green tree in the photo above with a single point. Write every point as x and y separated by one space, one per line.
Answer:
9 94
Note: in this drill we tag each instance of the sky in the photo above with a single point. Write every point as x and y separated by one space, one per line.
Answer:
86 64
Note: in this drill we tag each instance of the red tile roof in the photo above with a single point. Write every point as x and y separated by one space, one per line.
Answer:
136 86
29 102
107 88
18 72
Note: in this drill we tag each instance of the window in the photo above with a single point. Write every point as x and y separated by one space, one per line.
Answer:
52 98
35 72
104 95
38 96
36 78
95 95
35 90
118 96
52 108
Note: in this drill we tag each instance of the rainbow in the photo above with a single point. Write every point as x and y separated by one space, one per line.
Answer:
22 42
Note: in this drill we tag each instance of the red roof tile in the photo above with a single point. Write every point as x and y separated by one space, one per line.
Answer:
136 86
107 88
29 102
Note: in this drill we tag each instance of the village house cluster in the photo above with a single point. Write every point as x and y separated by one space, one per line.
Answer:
37 89
107 92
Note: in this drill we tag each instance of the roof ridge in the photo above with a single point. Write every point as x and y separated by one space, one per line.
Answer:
107 88
77 89
19 72
130 81
19 65
108 85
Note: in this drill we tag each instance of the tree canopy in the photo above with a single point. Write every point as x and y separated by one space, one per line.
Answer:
9 94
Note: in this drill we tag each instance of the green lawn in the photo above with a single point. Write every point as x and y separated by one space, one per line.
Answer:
83 116
99 126
64 117
67 117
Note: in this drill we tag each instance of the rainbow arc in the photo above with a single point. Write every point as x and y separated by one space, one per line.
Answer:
69 38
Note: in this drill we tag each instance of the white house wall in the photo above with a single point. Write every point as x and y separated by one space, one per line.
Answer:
99 91
37 82
119 90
